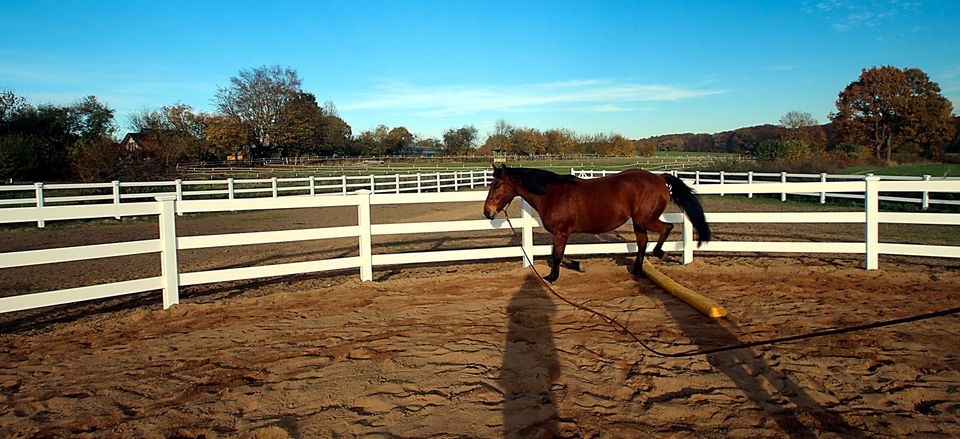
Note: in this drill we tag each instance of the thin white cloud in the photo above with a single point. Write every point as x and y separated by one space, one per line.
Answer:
449 100
852 15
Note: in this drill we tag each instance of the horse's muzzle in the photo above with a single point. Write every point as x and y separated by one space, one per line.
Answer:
489 213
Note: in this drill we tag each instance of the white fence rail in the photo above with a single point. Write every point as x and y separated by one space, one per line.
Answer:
117 192
167 245
922 197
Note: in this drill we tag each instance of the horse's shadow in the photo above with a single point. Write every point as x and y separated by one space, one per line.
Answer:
530 365
789 405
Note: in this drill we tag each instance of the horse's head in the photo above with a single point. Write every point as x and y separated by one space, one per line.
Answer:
502 192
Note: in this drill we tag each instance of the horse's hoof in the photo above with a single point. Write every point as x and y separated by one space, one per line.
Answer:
550 279
659 253
575 266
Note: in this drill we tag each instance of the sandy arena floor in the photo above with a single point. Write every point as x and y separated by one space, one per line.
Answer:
481 351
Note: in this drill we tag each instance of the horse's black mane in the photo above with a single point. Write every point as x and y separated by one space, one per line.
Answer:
536 180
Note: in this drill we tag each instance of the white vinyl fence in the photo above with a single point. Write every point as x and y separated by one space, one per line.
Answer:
921 197
116 192
168 243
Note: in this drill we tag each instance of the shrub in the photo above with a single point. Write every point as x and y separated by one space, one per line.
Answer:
849 150
777 150
795 150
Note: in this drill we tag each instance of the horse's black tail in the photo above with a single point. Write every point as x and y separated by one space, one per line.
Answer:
684 197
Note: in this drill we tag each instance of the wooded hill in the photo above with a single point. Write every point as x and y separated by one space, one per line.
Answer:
743 140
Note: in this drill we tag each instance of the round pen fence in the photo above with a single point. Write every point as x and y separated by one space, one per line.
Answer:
168 205
920 197
116 192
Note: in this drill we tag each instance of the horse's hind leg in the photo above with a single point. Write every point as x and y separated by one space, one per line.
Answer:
642 240
663 229
571 264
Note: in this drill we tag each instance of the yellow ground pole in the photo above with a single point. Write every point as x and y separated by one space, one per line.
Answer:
703 304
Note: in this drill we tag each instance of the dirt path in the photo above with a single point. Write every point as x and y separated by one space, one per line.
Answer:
474 350
479 350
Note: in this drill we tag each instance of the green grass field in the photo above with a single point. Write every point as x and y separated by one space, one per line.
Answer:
660 161
932 169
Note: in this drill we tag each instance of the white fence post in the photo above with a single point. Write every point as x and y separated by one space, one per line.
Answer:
366 246
396 178
471 178
178 183
871 203
438 181
419 183
721 182
526 233
273 185
168 251
696 177
783 179
687 235
456 182
230 188
116 193
313 185
925 197
823 195
38 187
343 179
749 183
373 183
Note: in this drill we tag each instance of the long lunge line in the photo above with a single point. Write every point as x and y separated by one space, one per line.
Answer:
772 341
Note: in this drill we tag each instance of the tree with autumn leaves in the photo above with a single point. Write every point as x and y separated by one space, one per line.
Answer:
530 141
889 109
52 142
264 112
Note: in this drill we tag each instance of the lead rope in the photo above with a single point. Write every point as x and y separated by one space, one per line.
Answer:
623 329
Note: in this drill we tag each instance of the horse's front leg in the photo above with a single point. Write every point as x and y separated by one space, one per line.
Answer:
559 245
642 239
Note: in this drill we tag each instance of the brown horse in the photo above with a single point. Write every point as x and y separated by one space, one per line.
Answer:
568 204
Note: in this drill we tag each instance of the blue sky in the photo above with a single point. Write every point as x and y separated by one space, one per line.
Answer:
637 68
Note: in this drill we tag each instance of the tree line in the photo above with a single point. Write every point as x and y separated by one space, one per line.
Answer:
885 114
264 112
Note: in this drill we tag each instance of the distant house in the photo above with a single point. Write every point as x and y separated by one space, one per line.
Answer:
134 142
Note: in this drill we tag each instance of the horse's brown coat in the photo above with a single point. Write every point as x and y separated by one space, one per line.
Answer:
568 204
